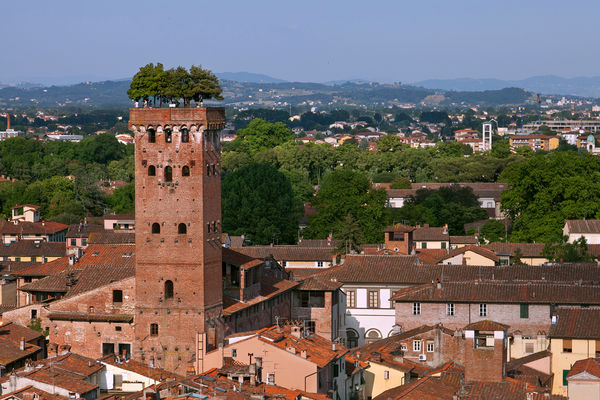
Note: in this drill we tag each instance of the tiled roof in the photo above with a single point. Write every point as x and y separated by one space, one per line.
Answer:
318 349
33 248
112 237
6 307
10 350
319 282
517 362
31 228
318 243
480 189
30 392
428 233
119 216
370 268
576 323
15 332
427 388
399 228
241 260
463 240
139 368
583 225
13 267
288 253
231 306
475 249
71 381
502 292
89 317
527 249
432 256
589 365
56 283
486 325
83 230
299 274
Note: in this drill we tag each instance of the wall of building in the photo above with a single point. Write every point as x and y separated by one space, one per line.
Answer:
520 345
305 264
375 381
8 292
563 361
260 315
584 390
465 313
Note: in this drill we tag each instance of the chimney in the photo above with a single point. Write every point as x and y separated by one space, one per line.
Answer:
303 354
22 344
8 121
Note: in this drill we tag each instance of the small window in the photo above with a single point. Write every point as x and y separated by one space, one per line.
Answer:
156 228
185 135
168 136
214 169
320 263
424 245
168 174
567 346
153 329
430 347
84 242
152 170
117 296
373 297
168 289
524 311
185 171
483 310
151 135
208 226
118 328
529 348
182 229
416 308
443 245
73 242
386 374
233 352
450 309
417 345
208 169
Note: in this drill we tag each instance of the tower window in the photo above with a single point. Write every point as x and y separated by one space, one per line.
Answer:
168 136
182 229
185 171
153 329
168 289
151 135
168 174
208 169
208 227
152 170
214 170
156 228
117 296
185 135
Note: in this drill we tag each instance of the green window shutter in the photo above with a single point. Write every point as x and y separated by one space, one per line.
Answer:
565 373
524 310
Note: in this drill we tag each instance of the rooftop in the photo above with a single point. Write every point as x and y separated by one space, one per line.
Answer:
576 323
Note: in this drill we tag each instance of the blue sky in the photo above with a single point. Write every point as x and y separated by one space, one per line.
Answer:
62 41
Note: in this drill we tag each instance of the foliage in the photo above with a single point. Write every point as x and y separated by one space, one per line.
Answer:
454 206
493 231
401 183
258 201
344 193
349 236
568 252
546 189
122 200
261 135
36 325
390 143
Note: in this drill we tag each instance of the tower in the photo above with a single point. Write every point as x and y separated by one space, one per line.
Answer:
178 265
487 136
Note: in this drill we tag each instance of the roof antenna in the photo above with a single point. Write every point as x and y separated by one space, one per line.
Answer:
277 322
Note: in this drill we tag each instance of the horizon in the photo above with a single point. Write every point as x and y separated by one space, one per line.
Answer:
391 43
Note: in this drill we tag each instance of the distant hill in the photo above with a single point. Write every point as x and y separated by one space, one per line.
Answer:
548 84
247 77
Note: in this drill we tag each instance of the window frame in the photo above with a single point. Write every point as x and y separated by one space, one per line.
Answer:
416 308
350 298
483 310
417 346
428 347
375 293
450 310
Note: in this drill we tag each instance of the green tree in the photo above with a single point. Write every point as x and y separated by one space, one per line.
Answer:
516 258
349 236
390 143
258 201
261 135
401 183
122 200
501 148
568 252
493 231
148 82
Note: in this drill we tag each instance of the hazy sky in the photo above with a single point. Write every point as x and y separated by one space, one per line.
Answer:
403 40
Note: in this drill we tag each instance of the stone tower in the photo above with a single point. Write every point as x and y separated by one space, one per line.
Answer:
178 266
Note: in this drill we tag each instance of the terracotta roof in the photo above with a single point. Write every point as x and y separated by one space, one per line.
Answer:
111 237
139 368
10 350
318 243
589 365
90 317
119 216
13 267
475 249
432 256
502 292
486 325
231 306
6 307
26 205
517 362
241 260
370 268
527 249
399 228
288 253
427 388
576 323
56 283
319 282
15 332
299 274
318 349
83 230
33 248
583 225
427 233
463 240
29 392
31 228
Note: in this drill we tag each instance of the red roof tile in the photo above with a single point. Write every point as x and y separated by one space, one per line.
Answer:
486 325
589 365
576 323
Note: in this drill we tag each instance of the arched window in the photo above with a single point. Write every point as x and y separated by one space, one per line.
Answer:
351 338
185 171
151 135
185 135
168 174
152 170
168 289
372 336
156 227
182 229
153 329
168 135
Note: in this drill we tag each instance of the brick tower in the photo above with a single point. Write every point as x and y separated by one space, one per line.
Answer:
178 252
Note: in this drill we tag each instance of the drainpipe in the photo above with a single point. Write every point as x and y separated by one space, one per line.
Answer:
316 372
